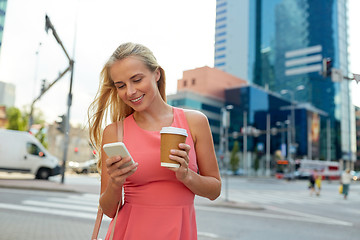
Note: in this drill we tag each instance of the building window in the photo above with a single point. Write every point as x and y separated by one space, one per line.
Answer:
220 19
220 41
220 56
220 34
184 83
220 64
193 81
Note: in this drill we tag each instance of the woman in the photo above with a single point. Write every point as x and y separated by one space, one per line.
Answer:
345 181
158 201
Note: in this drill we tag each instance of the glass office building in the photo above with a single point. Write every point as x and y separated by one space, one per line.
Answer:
280 45
252 106
3 4
211 107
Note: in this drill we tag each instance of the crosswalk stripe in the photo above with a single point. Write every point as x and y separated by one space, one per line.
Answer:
279 197
74 201
58 205
51 211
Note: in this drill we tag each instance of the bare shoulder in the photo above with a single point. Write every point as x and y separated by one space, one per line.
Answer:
195 117
110 133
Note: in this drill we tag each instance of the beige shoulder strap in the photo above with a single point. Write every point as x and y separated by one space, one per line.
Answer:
120 130
120 135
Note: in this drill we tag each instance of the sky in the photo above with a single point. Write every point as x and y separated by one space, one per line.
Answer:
180 34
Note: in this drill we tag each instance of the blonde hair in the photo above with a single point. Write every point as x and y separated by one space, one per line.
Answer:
107 100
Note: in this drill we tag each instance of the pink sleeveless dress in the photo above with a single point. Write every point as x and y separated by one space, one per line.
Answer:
156 205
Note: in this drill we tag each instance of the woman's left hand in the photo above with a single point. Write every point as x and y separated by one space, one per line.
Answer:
182 157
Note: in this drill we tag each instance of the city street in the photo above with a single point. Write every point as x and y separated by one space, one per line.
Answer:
253 208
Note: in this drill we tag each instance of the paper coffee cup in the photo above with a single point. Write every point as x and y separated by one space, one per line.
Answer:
170 139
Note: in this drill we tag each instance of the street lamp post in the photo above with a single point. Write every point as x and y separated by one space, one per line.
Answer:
224 142
292 97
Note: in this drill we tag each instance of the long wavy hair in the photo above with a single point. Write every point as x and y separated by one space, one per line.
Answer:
107 101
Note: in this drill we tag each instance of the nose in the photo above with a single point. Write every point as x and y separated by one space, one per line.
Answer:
130 90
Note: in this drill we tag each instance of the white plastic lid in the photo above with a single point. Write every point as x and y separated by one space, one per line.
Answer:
174 130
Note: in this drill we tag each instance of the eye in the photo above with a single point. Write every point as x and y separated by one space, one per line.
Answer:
138 80
119 86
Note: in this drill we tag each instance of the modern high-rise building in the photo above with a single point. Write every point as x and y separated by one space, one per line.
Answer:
282 46
3 4
7 94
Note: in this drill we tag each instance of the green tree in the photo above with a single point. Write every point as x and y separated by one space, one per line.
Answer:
42 137
234 158
16 120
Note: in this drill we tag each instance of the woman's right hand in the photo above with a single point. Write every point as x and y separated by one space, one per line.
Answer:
118 171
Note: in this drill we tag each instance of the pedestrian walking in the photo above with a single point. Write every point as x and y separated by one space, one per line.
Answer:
318 180
312 182
158 201
345 181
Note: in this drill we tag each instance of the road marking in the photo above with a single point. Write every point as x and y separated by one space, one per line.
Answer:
59 205
278 197
312 216
207 234
304 218
52 211
74 201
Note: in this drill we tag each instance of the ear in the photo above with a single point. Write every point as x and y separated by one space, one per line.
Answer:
157 74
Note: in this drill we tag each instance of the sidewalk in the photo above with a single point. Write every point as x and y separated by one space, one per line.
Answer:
27 182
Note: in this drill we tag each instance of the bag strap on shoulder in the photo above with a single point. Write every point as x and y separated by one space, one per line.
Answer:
99 216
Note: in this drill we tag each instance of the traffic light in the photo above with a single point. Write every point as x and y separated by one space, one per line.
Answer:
61 123
43 85
327 66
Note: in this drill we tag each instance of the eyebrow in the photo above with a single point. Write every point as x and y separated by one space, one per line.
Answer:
132 77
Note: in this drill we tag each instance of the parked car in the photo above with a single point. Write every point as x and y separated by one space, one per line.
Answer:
86 167
22 152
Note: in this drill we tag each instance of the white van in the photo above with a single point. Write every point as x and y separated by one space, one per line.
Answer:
22 152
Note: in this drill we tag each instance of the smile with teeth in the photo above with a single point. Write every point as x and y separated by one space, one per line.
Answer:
137 99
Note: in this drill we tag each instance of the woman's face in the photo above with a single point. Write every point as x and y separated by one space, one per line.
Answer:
135 83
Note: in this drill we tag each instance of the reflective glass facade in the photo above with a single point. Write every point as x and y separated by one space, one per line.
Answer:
286 43
209 106
3 4
258 103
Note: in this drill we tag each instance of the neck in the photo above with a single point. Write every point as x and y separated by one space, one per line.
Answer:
156 117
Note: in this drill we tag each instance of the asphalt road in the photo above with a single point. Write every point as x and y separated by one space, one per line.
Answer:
252 208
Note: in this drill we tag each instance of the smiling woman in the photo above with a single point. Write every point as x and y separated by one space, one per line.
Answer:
158 199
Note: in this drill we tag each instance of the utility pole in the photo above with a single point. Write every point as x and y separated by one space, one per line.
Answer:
328 135
268 145
245 140
49 25
224 143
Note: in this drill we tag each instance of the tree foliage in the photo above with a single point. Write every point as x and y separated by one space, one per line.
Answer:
16 119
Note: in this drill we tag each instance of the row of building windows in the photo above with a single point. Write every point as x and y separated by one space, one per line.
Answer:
220 64
192 82
221 34
223 4
220 49
220 56
220 19
221 12
221 27
220 41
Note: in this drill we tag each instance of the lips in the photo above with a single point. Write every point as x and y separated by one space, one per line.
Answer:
137 99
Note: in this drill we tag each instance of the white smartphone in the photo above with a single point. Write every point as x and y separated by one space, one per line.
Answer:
117 149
